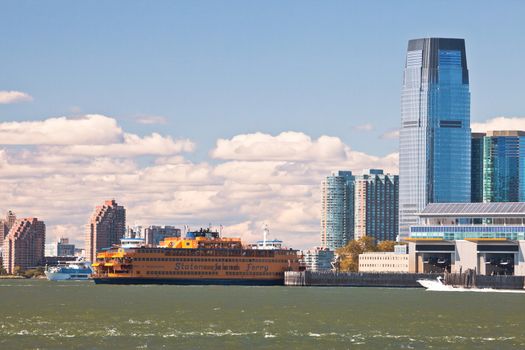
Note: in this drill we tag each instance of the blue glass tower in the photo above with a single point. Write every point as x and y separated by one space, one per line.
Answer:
434 150
503 166
337 210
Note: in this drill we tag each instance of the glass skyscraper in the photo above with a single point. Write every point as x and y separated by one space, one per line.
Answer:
337 210
434 152
500 155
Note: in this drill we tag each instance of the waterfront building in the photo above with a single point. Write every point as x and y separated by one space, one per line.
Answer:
106 227
486 237
5 226
434 152
318 259
60 248
24 245
153 235
383 262
337 209
376 205
498 162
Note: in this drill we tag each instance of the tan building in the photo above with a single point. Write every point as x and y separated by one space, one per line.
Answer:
106 227
24 244
383 262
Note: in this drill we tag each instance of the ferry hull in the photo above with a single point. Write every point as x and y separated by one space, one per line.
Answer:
193 281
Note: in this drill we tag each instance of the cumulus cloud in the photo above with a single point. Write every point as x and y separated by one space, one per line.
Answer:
499 123
133 145
390 135
254 179
89 135
364 127
87 130
290 146
8 97
151 119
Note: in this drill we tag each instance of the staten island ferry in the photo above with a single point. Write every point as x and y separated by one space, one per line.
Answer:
202 257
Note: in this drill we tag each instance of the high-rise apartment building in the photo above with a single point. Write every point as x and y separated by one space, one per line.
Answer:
376 205
434 152
5 226
106 227
337 209
24 245
498 166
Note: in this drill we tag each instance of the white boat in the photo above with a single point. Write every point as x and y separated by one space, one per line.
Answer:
71 270
437 285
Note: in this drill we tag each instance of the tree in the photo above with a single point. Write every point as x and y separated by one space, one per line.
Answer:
349 254
387 246
18 271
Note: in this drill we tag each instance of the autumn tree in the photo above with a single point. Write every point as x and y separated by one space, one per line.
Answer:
349 254
387 246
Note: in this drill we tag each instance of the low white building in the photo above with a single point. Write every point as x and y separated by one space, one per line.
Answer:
384 262
318 259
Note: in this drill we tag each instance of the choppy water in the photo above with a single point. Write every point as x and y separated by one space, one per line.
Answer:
38 314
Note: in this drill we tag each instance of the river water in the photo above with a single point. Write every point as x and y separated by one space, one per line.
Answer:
38 314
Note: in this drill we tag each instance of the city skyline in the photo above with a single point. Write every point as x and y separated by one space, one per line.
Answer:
73 136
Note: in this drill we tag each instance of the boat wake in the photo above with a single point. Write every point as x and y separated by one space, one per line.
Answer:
437 285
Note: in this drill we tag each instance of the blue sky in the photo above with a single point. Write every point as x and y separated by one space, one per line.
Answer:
259 100
220 68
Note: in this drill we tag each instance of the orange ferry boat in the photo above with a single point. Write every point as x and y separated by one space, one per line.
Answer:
201 258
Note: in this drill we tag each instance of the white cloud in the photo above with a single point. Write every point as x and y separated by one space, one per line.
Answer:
390 135
151 119
290 146
8 97
254 179
133 145
364 127
499 123
87 130
89 135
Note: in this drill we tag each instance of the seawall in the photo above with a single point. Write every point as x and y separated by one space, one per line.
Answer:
355 279
398 280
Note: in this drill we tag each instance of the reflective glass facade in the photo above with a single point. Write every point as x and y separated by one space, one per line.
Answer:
435 155
337 210
476 170
503 166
